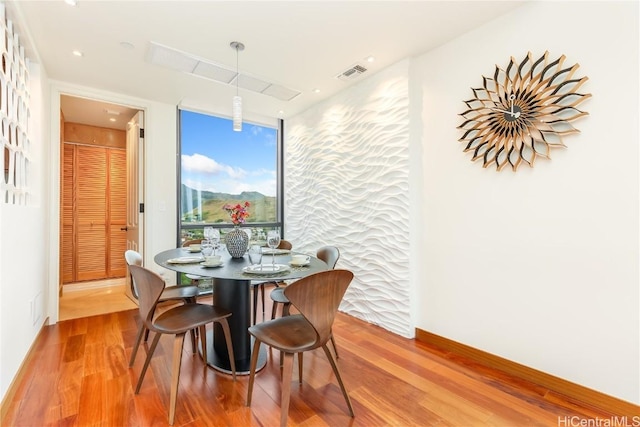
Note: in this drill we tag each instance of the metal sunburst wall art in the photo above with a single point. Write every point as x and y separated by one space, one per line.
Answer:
522 112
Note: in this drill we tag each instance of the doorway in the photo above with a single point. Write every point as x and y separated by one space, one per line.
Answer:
95 192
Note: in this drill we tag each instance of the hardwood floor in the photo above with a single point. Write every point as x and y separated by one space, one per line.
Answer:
98 297
79 376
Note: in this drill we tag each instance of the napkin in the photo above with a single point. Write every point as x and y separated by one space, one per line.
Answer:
184 260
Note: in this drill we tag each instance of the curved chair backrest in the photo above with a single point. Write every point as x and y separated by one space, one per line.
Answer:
285 244
330 255
317 297
150 287
133 258
186 243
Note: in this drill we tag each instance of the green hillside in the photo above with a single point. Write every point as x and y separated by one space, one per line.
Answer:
262 209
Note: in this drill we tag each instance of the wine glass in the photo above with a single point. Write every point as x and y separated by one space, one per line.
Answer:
273 241
208 232
255 254
206 247
214 238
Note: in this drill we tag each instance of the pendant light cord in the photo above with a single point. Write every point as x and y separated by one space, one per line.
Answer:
237 69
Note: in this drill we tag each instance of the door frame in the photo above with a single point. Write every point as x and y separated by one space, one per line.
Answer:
58 89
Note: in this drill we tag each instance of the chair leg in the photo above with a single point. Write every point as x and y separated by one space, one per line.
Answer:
156 338
203 342
252 369
339 378
194 332
193 341
146 333
134 352
285 309
300 367
178 343
227 336
287 371
274 308
335 349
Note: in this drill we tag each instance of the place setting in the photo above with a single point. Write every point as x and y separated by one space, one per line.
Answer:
185 260
259 268
194 248
209 257
300 260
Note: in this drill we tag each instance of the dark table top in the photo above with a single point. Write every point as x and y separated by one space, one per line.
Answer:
232 268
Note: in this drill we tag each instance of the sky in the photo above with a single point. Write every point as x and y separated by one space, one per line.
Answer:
215 158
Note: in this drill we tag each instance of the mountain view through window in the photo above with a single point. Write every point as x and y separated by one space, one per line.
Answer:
220 166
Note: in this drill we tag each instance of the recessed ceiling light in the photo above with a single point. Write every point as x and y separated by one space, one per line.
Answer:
77 53
316 90
112 119
371 58
127 45
71 2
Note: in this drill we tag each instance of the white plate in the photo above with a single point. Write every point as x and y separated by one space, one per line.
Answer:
204 264
193 250
265 268
302 264
184 260
269 251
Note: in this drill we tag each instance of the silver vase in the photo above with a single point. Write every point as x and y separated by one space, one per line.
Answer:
237 242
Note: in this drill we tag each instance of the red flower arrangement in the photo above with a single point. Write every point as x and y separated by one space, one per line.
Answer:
238 213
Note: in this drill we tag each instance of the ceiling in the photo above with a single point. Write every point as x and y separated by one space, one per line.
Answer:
301 46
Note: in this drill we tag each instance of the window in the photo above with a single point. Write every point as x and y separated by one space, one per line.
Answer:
220 166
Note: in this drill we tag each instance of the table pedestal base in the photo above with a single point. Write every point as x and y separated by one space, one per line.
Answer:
234 295
220 362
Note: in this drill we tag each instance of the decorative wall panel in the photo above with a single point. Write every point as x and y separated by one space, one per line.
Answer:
347 184
15 154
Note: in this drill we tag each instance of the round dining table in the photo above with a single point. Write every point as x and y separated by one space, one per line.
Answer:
232 290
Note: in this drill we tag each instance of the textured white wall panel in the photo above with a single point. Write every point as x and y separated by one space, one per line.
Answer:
347 184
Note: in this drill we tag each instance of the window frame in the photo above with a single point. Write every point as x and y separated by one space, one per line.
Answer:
279 223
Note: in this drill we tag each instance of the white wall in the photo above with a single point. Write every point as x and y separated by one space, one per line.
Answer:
539 266
23 242
347 184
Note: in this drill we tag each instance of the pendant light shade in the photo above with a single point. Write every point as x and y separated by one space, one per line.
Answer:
237 100
237 113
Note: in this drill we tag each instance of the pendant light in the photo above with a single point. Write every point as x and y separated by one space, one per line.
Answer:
237 101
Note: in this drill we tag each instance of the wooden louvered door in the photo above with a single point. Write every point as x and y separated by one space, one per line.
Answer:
67 246
94 213
91 213
116 266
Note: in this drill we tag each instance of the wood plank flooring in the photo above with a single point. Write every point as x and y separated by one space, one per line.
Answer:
82 300
80 377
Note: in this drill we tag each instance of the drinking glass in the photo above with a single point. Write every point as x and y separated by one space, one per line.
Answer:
255 254
208 232
214 238
273 241
206 247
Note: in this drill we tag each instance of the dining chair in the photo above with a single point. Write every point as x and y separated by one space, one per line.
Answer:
316 298
185 293
330 255
175 321
284 244
195 279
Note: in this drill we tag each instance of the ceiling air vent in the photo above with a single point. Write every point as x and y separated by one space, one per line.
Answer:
351 73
